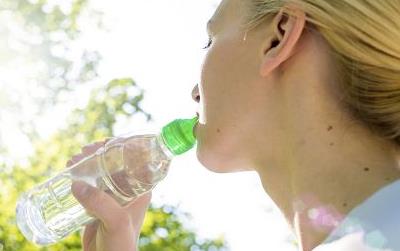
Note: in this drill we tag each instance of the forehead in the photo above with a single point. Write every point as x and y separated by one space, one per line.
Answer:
221 9
228 10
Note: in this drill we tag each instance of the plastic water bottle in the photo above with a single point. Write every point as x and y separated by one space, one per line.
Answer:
126 167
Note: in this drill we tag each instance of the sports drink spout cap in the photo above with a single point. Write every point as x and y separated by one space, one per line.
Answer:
178 135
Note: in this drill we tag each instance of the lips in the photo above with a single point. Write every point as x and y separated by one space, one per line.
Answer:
195 130
195 126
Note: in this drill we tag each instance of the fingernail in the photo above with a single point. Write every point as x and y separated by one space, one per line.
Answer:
81 188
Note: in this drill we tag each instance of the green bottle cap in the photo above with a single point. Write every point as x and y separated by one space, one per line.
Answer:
178 135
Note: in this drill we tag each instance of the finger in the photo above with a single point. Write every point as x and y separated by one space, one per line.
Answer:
75 159
92 148
137 209
70 163
99 204
89 235
86 151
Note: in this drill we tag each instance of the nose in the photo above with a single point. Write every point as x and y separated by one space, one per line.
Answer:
195 93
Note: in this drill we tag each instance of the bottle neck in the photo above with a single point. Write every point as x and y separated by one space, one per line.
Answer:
164 147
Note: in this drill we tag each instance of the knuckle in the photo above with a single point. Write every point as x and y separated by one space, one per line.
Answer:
69 163
91 148
76 158
86 149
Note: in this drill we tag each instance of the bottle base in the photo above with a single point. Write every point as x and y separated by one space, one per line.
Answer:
31 224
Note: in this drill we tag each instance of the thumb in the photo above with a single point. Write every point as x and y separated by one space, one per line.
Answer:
97 203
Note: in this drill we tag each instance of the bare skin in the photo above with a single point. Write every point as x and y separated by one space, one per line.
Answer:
117 228
267 103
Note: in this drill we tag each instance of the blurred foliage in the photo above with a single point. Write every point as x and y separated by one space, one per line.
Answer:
37 43
162 229
42 31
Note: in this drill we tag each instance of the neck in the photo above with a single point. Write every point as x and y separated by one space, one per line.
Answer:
325 176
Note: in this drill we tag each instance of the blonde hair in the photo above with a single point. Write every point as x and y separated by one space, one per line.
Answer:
365 39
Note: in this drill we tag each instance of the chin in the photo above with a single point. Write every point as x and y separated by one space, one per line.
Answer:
216 161
219 153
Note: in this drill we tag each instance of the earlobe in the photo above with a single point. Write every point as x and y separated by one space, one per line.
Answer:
288 33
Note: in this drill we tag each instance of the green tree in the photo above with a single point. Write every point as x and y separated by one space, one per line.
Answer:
162 228
37 34
41 32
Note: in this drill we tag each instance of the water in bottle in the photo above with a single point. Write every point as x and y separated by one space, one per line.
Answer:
126 167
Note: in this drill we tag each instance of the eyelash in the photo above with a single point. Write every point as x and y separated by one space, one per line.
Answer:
208 44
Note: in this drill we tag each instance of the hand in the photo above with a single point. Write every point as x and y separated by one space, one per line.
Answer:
117 227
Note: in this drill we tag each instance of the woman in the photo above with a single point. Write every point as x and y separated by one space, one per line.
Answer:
306 93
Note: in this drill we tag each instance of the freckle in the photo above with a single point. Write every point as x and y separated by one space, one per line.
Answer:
387 179
366 169
345 204
331 144
218 130
330 128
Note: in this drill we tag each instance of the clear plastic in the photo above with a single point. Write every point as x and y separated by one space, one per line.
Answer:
125 168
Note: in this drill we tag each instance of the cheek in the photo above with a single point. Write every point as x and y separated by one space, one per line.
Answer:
223 104
217 88
228 75
227 84
219 82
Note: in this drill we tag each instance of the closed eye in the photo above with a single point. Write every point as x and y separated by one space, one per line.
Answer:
208 44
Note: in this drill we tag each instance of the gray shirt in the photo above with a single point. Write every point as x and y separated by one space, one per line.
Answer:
373 225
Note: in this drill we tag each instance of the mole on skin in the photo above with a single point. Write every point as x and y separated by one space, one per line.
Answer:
329 129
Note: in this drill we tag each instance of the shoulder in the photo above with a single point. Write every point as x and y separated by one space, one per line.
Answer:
349 242
371 226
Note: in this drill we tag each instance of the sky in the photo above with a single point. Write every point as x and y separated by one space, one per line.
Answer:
159 44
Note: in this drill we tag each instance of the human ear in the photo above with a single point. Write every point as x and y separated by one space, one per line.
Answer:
278 47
